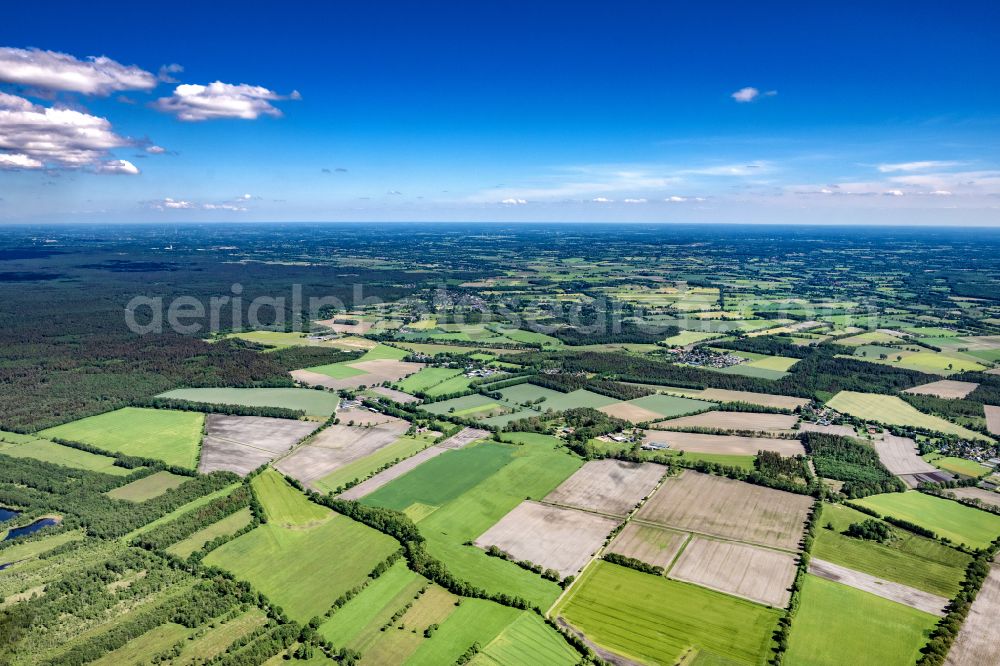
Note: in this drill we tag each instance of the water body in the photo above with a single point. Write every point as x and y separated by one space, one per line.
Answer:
7 514
29 529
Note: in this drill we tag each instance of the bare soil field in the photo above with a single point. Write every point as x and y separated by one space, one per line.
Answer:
757 574
944 388
608 486
631 413
375 372
648 543
362 416
360 328
903 594
731 421
976 644
337 446
899 455
396 396
241 444
981 494
553 537
722 507
992 419
391 474
463 437
726 444
937 476
841 430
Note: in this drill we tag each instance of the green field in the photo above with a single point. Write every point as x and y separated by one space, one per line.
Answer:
956 465
908 559
927 361
689 337
310 401
356 624
837 624
522 393
475 621
404 447
180 511
460 494
653 619
30 549
284 505
22 446
960 523
669 406
427 378
890 410
278 339
527 640
171 436
138 649
286 563
467 404
228 525
148 487
456 384
345 369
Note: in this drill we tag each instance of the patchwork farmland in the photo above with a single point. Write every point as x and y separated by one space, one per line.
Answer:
721 507
750 572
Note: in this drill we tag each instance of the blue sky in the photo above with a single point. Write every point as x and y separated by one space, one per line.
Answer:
644 111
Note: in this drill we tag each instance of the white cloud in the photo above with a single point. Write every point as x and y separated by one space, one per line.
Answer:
192 102
156 150
635 201
18 161
167 72
602 200
750 94
675 199
57 137
916 166
174 204
118 166
514 202
893 193
941 193
98 75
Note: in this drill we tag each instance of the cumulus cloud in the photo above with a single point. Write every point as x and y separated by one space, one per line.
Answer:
95 75
675 199
193 102
602 200
635 201
19 161
224 206
33 136
514 202
156 150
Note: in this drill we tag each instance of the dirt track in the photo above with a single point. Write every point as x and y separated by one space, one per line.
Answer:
976 644
903 594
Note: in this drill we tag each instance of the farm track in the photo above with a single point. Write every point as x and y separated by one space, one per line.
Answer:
903 594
